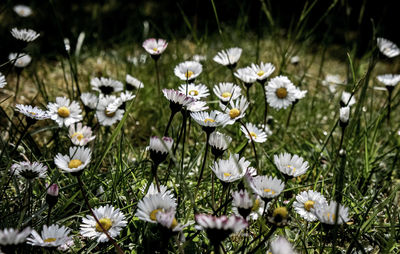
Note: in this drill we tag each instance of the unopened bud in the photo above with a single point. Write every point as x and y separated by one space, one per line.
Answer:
52 195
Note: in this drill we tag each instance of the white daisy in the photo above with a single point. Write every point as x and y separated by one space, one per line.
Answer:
266 187
197 106
29 170
290 166
167 219
235 110
344 114
106 117
133 82
295 60
22 10
326 214
155 46
280 246
120 102
243 202
228 57
159 148
32 112
90 100
263 71
149 206
77 160
177 99
281 92
79 135
257 135
199 58
230 170
106 86
246 75
219 143
153 190
300 94
227 91
387 47
112 220
188 70
195 91
22 61
64 112
26 35
332 81
52 236
306 202
209 119
3 81
347 99
52 190
11 236
389 79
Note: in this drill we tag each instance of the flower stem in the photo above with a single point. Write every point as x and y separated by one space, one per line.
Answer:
17 85
252 142
169 122
158 79
265 104
154 171
204 161
389 106
289 116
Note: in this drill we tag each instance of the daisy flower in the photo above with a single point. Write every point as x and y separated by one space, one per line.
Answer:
90 100
79 135
112 221
120 102
106 86
133 83
299 94
155 47
3 81
262 71
257 135
306 202
332 81
326 214
195 91
281 92
149 206
26 35
22 61
76 161
267 187
290 166
387 47
295 60
52 236
347 99
197 106
11 236
246 75
176 99
389 79
159 148
29 170
106 117
243 202
228 57
209 120
188 70
199 58
230 170
167 219
219 143
281 246
154 191
227 91
235 110
32 112
64 112
22 10
344 115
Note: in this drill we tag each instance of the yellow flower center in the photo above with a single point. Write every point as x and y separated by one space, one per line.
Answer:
33 113
63 112
188 74
281 93
291 167
106 223
155 49
256 205
174 223
253 134
227 174
226 95
269 190
49 240
260 73
233 113
108 113
78 135
209 120
330 215
74 163
308 205
153 214
193 92
281 211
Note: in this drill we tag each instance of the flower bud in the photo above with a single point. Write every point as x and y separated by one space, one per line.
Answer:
52 195
344 115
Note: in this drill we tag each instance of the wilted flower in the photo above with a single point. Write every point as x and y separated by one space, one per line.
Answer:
219 143
90 100
347 99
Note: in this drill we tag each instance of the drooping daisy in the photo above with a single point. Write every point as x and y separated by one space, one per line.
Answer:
387 47
267 187
197 106
79 135
90 100
29 170
243 202
22 10
26 35
11 236
106 117
32 112
52 236
228 57
262 71
219 143
256 134
22 61
326 214
3 81
389 79
106 86
149 206
64 112
235 110
246 75
209 120
112 221
281 92
347 99
76 161
230 170
176 99
133 83
290 166
155 47
188 70
195 91
306 202
281 246
227 91
159 148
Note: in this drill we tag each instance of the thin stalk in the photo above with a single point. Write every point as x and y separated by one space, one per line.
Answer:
204 161
265 104
289 116
252 141
49 214
169 122
266 238
389 106
212 191
154 171
158 80
17 86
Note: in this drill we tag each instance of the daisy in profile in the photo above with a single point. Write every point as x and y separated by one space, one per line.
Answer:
25 35
230 170
256 134
262 71
228 57
76 161
132 83
235 109
219 143
120 102
197 106
3 81
387 47
105 116
64 112
246 75
159 148
326 214
227 91
195 91
29 170
21 61
34 113
112 221
295 60
51 236
22 10
344 115
332 81
290 166
299 94
155 47
176 99
188 71
90 100
281 92
280 246
106 86
79 135
10 238
199 58
243 202
267 187
347 99
209 120
167 219
153 190
149 206
306 202
389 79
